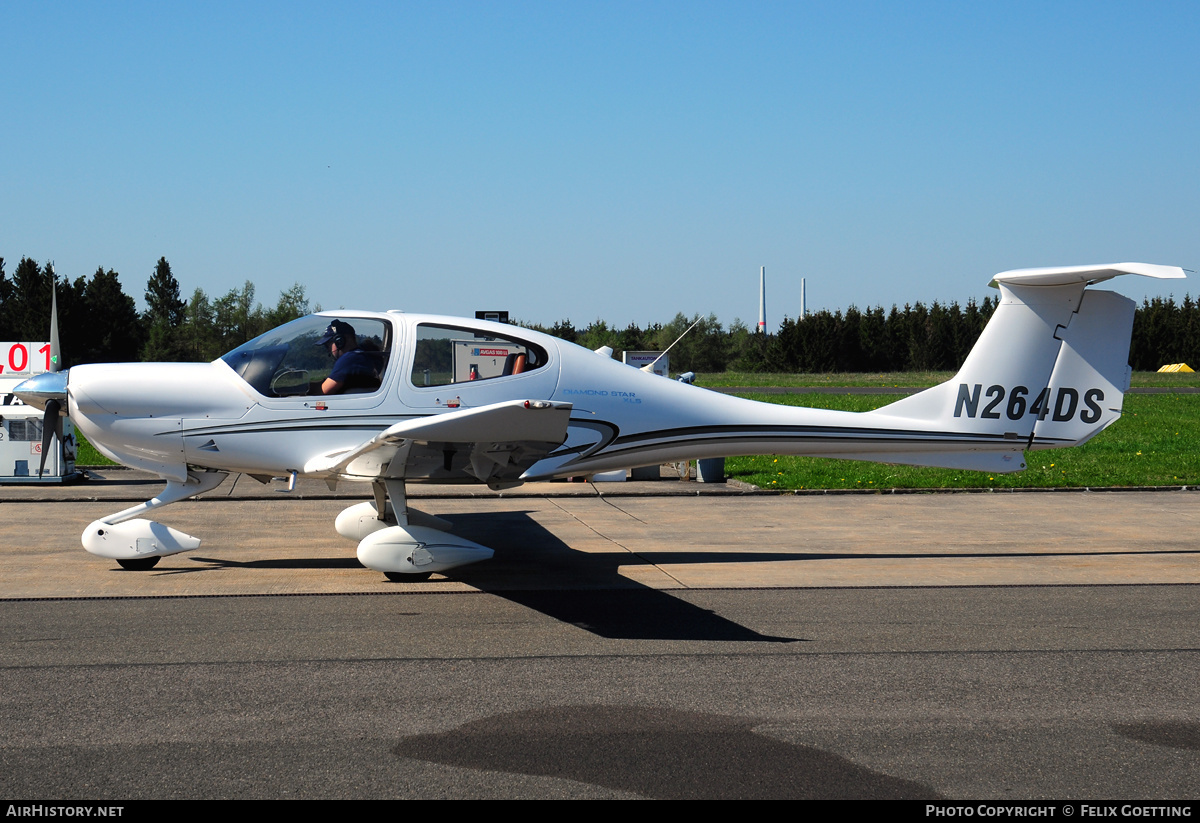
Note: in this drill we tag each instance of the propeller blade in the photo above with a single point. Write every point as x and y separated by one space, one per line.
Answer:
51 426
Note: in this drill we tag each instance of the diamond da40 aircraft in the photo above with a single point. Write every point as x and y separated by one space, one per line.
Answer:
446 399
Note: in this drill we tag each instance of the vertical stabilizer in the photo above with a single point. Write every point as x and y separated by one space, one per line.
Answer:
1049 370
1007 369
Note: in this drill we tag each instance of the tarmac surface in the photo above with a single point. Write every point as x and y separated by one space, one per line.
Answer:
656 639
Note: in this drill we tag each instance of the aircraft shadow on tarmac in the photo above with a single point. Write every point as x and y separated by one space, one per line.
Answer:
587 589
283 563
584 589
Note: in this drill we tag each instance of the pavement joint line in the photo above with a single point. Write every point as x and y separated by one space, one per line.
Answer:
624 548
227 595
592 528
791 644
622 511
697 589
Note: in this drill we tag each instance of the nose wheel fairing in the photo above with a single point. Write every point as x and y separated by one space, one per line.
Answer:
125 536
134 539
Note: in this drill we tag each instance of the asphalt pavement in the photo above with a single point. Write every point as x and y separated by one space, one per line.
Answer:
659 639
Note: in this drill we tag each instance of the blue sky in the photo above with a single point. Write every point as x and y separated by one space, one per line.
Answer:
579 160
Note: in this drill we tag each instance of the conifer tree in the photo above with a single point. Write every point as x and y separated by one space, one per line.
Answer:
163 316
114 330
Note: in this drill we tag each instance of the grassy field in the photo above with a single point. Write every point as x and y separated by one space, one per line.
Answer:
1141 379
86 454
1155 443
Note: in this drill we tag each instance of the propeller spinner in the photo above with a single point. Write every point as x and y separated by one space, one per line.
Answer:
48 391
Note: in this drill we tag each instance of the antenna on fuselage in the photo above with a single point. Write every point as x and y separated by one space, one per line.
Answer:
649 367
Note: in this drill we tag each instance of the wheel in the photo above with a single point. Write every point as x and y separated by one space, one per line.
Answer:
139 564
402 577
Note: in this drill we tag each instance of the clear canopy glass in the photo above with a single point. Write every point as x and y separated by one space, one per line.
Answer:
290 360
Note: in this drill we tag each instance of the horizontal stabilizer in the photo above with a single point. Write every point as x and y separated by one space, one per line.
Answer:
1066 275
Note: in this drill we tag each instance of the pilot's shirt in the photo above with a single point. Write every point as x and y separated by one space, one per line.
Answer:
357 369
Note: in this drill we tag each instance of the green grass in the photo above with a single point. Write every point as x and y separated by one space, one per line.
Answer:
883 380
1141 379
86 454
1169 380
1153 444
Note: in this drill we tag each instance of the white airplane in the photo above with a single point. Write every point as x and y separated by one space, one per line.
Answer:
423 398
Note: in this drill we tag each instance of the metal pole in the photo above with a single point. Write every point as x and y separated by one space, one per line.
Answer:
762 300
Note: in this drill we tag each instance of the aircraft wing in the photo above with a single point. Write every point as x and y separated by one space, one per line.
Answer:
494 444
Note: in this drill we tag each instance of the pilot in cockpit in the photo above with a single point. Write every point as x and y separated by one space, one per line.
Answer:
354 368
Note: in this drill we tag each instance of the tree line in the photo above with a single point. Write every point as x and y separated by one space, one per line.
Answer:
917 337
98 322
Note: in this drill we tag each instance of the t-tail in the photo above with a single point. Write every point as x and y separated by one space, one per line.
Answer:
1050 370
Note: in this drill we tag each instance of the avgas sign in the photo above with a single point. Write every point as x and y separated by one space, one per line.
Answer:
24 358
1061 404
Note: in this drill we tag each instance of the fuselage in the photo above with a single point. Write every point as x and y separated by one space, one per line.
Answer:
258 410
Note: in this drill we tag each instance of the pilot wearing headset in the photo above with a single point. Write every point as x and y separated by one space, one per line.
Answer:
353 368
